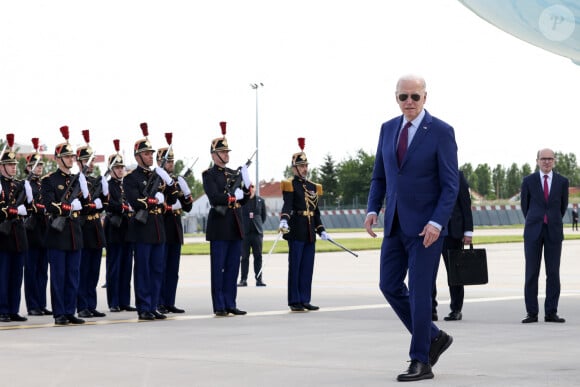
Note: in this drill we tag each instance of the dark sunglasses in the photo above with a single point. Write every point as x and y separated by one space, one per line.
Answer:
414 97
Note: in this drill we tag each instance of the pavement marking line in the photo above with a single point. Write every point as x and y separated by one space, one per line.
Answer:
265 313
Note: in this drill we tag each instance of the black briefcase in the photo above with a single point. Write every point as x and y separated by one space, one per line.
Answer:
467 267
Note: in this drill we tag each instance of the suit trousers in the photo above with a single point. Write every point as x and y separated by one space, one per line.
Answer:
552 253
225 265
11 272
35 278
402 254
456 292
300 271
64 280
89 278
170 274
253 241
148 273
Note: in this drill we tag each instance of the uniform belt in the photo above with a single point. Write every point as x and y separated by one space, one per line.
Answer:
155 211
305 213
130 214
93 217
75 214
176 212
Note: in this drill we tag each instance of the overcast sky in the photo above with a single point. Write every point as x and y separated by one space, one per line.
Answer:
329 69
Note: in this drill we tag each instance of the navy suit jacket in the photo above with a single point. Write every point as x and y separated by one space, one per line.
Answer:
425 187
534 206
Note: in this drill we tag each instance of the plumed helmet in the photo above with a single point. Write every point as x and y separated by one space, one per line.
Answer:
64 148
33 157
143 144
9 157
116 160
300 157
220 143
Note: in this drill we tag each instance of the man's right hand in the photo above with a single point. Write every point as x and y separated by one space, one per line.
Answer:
370 221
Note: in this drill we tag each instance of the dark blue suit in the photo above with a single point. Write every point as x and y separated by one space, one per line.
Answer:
539 235
423 189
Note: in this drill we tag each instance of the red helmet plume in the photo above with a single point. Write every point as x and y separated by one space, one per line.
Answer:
35 143
10 140
223 126
144 129
116 144
301 142
64 132
169 137
86 136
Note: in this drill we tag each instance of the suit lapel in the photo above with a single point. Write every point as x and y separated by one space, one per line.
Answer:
420 135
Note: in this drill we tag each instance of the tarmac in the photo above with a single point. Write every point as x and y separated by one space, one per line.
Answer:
355 339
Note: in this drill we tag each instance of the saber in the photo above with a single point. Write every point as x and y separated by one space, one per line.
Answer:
270 252
342 247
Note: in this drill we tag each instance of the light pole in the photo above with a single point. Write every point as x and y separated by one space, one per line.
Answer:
255 86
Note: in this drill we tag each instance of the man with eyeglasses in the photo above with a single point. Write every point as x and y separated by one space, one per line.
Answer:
544 202
417 155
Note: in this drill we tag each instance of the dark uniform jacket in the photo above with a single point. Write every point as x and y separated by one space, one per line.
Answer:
301 210
257 206
172 218
54 186
14 240
461 218
224 221
93 232
117 208
136 188
37 221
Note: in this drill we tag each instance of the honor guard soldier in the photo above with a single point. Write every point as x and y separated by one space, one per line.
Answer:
63 195
300 222
93 233
15 197
175 206
146 190
119 250
36 261
224 228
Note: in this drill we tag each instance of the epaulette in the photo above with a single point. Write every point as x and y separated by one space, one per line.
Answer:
286 186
319 190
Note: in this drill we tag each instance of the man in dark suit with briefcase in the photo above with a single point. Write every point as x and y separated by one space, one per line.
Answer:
254 216
459 232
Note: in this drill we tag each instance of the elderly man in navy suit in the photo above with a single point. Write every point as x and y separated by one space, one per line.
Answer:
544 201
416 171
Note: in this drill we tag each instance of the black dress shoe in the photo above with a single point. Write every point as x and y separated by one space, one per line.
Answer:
236 311
554 318
438 346
146 316
35 312
4 318
453 316
297 308
96 313
260 283
174 309
416 371
158 316
221 313
115 309
128 308
162 309
61 320
434 316
74 320
243 283
530 318
17 317
310 307
47 312
85 313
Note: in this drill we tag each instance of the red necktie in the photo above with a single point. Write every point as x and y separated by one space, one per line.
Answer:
546 194
403 140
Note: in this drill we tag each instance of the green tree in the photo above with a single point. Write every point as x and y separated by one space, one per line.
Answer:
329 180
567 165
354 177
483 184
498 178
513 180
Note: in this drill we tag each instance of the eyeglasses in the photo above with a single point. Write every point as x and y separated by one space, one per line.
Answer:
414 97
547 159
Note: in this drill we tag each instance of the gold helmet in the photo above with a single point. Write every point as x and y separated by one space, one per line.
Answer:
300 157
220 144
64 148
9 157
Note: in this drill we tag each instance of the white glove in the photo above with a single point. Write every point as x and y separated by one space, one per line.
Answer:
160 197
84 185
246 176
176 206
324 235
98 203
22 210
183 185
239 194
164 175
28 190
105 186
283 228
76 205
